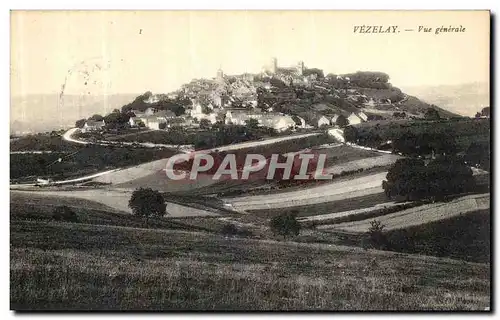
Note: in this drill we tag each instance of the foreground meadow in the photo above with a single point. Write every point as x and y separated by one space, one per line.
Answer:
77 266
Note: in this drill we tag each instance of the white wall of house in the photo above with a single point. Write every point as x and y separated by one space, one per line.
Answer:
354 119
363 116
322 121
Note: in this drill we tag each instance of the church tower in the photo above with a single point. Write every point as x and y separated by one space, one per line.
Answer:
300 68
220 75
274 65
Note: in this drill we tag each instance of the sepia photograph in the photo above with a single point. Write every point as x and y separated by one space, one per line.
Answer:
241 160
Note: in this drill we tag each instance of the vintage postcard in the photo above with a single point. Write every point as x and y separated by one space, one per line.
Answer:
250 160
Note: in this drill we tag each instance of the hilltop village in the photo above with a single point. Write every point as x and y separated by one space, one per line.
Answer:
280 98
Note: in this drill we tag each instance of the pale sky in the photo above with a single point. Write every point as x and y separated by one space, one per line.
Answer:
160 50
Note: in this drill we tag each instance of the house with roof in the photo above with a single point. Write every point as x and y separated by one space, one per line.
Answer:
150 111
302 124
362 116
315 120
178 122
135 121
91 125
137 112
168 114
240 116
334 119
278 122
370 103
354 119
153 122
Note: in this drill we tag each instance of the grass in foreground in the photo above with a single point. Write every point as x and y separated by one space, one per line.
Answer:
67 266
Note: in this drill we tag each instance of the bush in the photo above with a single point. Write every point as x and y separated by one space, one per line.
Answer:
147 202
64 213
285 225
229 229
375 236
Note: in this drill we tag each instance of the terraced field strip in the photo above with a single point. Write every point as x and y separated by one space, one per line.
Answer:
326 208
365 185
332 216
365 163
418 215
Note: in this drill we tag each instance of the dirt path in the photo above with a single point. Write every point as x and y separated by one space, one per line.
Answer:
418 215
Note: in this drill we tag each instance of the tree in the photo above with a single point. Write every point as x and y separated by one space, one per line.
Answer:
229 229
376 235
96 117
485 112
400 115
146 202
80 123
297 121
411 179
285 225
252 123
432 114
64 213
116 120
205 124
206 110
342 121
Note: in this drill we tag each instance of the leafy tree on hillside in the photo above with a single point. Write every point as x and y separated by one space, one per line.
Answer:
96 117
432 114
252 123
206 110
116 120
146 202
485 112
411 179
342 121
478 154
400 115
64 213
205 124
285 225
351 134
80 123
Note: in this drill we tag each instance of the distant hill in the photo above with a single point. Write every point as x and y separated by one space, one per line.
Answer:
464 99
41 112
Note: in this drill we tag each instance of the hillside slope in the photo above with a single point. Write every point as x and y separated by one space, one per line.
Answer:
465 99
56 266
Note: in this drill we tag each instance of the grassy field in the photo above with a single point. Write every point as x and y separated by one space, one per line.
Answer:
66 266
42 142
336 157
462 237
343 154
85 160
30 207
326 207
419 215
